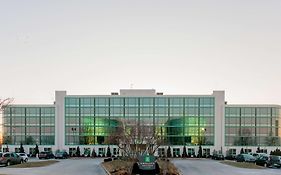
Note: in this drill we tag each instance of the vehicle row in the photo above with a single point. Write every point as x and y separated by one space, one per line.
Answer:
50 155
261 159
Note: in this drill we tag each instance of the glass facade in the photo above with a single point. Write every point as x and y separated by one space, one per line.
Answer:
176 120
29 125
252 126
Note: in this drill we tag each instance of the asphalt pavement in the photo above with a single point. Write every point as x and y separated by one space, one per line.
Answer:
76 166
212 167
88 166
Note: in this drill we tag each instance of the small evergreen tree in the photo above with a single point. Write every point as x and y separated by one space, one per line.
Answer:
94 154
184 153
78 151
242 151
200 151
7 149
258 150
36 150
169 154
276 152
108 152
21 148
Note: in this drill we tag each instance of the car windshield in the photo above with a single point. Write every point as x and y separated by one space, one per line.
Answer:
7 155
275 158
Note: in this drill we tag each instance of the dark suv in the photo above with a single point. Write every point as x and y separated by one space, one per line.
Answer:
46 155
262 160
10 159
61 155
274 161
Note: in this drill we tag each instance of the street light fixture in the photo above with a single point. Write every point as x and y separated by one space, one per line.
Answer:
73 129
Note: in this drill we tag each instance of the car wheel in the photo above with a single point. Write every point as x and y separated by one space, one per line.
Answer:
157 168
26 160
135 169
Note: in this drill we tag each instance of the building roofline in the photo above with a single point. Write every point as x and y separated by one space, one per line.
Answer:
31 105
253 105
139 96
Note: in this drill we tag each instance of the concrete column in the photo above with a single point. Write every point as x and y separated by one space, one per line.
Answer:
60 120
219 120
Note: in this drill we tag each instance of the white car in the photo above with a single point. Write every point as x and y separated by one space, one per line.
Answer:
24 156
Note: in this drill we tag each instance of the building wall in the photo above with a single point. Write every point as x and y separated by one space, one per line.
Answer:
29 125
257 126
178 120
190 120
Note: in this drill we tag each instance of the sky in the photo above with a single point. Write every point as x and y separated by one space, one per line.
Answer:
176 47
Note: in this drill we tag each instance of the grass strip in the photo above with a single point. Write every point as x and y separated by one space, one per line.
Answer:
34 164
242 165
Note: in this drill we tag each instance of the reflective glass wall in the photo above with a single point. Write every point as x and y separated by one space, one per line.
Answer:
252 126
29 125
176 120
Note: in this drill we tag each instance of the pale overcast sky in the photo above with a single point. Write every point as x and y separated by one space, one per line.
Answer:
176 47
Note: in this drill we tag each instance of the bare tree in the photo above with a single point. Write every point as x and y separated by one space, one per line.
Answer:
3 104
272 140
245 137
134 137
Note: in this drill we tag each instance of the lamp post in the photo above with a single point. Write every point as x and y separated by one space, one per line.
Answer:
14 130
203 140
73 129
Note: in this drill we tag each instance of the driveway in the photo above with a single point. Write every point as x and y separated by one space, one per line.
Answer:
81 166
212 167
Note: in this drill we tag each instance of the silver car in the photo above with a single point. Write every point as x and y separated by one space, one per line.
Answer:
10 159
24 156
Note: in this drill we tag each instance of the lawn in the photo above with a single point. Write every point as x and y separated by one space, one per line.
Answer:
242 165
34 164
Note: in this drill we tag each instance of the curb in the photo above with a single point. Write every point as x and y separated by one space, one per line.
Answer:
107 172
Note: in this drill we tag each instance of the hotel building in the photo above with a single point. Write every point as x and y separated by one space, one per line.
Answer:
179 120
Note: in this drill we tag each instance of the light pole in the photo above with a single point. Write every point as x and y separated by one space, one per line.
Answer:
203 140
14 130
73 129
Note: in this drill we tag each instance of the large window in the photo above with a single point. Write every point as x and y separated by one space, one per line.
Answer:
29 125
251 126
178 120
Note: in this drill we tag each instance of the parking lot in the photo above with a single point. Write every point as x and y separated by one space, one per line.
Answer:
212 167
88 166
83 166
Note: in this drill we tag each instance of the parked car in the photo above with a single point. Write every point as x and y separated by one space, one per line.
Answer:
10 159
245 158
218 157
230 157
24 156
46 155
61 155
274 161
257 155
262 160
